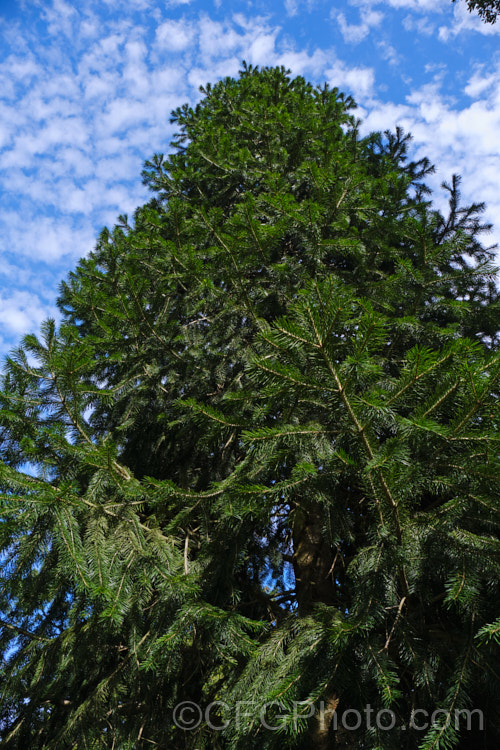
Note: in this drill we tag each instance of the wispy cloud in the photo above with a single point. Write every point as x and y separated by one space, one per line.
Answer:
86 91
359 80
421 25
175 36
420 6
464 22
291 7
355 33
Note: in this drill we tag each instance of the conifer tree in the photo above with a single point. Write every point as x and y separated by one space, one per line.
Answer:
256 466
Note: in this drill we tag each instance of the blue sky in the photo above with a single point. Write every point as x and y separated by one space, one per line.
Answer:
86 89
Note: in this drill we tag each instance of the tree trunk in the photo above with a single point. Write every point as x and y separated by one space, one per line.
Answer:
312 560
321 736
313 563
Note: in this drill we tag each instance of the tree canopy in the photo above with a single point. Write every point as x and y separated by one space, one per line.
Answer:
256 466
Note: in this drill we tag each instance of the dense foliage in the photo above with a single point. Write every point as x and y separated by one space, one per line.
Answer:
258 460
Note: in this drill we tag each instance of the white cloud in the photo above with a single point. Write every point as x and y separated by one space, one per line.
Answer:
217 39
120 114
463 21
60 18
421 6
15 71
457 18
480 84
89 28
174 36
262 49
46 237
353 33
118 168
168 78
304 63
424 26
99 86
388 52
22 311
198 76
291 7
360 80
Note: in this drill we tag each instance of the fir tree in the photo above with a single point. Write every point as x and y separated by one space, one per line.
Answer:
256 466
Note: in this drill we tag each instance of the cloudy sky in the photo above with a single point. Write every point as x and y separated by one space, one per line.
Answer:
86 89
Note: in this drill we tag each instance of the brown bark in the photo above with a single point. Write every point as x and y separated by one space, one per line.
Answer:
321 738
312 560
313 563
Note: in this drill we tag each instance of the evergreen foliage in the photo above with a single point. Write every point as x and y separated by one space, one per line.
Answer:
258 461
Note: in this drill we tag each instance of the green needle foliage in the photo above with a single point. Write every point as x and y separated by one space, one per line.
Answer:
256 467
